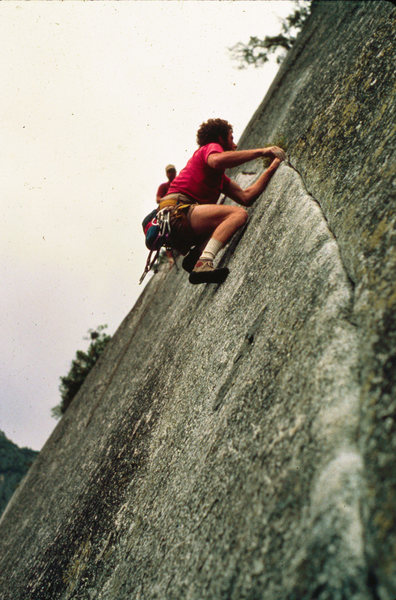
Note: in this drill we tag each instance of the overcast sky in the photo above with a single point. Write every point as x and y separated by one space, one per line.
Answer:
96 98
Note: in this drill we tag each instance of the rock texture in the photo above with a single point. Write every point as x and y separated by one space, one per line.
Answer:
237 441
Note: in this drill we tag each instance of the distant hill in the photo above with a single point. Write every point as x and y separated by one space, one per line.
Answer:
14 463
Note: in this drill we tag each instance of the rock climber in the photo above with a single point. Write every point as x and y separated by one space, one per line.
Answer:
199 226
170 171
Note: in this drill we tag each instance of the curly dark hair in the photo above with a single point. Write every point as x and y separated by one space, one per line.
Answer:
211 130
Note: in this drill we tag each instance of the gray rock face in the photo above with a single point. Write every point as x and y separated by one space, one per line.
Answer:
237 441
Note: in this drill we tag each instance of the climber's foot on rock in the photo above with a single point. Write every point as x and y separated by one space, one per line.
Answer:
204 272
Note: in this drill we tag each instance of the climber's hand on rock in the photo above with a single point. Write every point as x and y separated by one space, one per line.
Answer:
276 152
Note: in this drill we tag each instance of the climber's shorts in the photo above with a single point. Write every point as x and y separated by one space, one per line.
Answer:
182 236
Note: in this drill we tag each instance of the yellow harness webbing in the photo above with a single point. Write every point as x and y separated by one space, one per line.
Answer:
172 201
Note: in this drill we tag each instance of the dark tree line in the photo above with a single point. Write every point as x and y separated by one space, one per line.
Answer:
14 463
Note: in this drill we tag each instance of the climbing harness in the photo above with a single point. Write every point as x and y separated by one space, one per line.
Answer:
156 227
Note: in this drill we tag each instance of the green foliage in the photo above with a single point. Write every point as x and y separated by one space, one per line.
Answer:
80 367
257 51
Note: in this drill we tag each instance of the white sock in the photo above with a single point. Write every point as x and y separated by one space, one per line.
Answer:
211 249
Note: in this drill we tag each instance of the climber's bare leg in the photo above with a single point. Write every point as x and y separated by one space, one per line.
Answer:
217 221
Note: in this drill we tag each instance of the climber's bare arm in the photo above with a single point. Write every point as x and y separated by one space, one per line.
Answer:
249 195
234 158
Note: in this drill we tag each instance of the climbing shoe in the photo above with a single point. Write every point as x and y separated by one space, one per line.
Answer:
204 272
191 258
